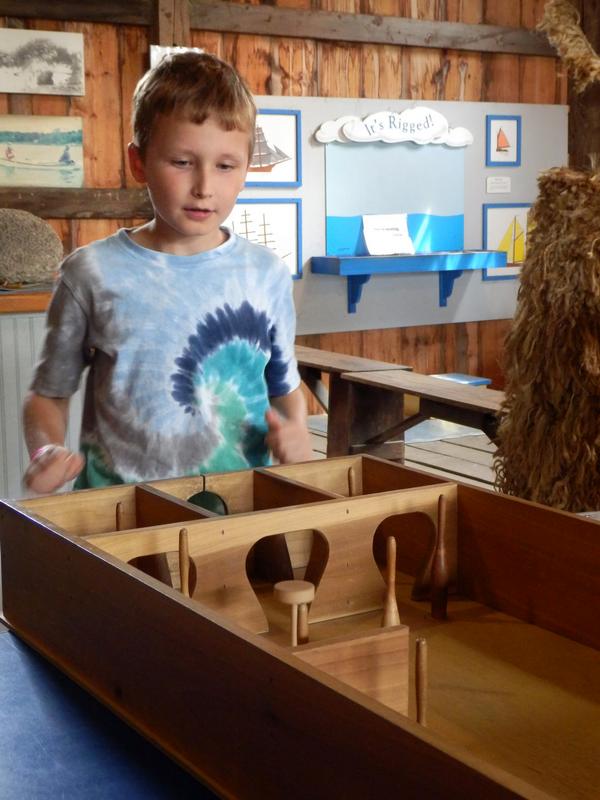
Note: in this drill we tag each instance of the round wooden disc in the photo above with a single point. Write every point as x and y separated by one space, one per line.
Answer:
294 592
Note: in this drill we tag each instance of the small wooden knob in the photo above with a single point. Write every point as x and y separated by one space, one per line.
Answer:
294 592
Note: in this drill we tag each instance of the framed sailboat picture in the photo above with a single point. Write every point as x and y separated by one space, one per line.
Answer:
276 160
503 141
275 223
505 228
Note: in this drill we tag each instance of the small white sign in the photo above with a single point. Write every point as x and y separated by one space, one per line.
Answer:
497 184
387 234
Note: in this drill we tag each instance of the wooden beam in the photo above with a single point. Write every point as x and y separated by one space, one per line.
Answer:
133 12
268 20
79 203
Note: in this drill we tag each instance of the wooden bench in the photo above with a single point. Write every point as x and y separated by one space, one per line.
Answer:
473 406
340 397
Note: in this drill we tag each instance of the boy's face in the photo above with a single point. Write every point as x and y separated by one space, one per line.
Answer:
194 174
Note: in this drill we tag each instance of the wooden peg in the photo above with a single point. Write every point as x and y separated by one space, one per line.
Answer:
421 680
391 615
351 482
184 562
119 516
439 568
296 594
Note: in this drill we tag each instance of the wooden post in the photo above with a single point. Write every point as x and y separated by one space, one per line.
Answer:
421 680
390 609
171 23
439 569
584 108
184 562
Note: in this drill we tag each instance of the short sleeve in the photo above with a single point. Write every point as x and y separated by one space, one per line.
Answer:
63 358
281 372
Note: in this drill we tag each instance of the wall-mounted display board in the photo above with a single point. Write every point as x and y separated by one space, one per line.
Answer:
446 185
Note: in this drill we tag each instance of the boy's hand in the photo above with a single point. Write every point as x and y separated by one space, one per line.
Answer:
51 467
288 439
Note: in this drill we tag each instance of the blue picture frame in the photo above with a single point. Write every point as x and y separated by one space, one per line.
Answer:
287 142
505 128
502 212
287 211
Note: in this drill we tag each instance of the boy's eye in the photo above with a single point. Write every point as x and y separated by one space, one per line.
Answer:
180 162
226 167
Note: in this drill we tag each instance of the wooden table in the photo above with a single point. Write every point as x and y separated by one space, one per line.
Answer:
341 402
362 417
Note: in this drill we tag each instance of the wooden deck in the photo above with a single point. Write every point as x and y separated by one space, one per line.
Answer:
434 446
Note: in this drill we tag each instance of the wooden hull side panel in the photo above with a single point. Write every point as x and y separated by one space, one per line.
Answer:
530 561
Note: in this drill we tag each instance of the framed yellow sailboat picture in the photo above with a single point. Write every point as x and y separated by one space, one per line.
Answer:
277 157
502 140
505 228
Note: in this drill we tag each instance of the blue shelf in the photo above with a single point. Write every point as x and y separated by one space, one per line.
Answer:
449 266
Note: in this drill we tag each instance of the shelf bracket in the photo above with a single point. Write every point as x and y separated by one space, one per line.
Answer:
355 287
446 280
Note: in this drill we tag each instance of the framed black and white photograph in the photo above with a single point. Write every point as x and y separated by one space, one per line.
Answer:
505 228
277 156
41 62
503 140
274 223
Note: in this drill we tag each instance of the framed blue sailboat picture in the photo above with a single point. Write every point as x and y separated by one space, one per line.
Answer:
505 228
277 157
275 223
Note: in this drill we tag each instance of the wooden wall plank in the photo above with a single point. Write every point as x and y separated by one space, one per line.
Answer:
100 107
133 48
132 12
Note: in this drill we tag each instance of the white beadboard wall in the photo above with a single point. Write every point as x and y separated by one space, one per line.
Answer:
21 338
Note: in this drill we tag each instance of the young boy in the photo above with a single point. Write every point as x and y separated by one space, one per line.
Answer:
188 329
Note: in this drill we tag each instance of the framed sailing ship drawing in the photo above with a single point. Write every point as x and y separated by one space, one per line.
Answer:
275 223
505 227
276 160
502 140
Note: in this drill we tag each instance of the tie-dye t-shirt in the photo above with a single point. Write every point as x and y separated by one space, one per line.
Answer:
184 353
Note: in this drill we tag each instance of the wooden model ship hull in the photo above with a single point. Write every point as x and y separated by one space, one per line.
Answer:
213 681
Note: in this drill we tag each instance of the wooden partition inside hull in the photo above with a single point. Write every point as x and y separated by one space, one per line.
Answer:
238 712
351 582
356 475
114 508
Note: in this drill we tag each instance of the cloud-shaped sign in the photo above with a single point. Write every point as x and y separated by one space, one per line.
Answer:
420 125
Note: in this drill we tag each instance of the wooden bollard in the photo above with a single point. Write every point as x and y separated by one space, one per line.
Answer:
391 615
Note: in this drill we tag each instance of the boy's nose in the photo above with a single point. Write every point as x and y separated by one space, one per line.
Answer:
201 186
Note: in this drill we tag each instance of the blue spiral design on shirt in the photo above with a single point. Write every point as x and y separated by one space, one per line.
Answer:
225 374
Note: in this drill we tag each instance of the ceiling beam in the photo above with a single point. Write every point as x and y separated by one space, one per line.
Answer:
270 20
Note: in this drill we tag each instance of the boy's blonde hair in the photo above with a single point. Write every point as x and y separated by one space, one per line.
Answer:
195 86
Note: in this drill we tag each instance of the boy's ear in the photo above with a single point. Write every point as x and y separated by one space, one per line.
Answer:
136 163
